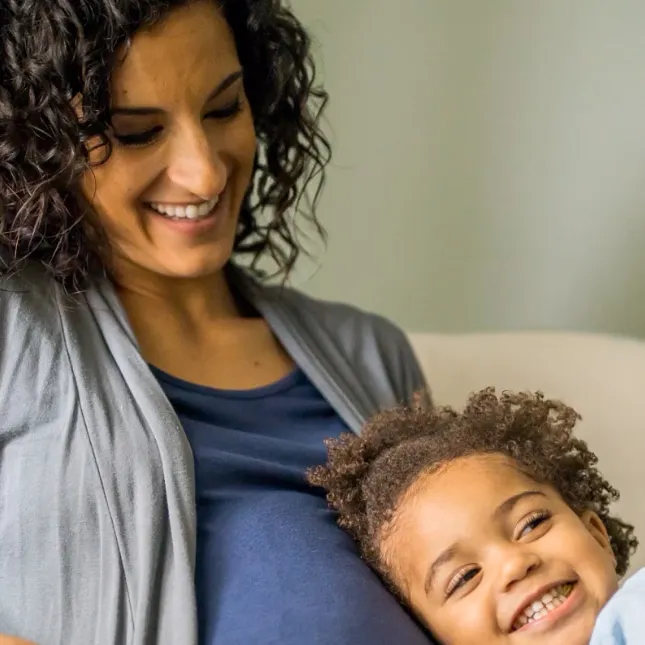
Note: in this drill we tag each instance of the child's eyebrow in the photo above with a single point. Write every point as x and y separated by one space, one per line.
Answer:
448 554
508 505
445 556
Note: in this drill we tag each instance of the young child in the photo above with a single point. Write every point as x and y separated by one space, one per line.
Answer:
492 525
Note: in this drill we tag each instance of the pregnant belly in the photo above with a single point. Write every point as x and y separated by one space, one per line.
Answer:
274 568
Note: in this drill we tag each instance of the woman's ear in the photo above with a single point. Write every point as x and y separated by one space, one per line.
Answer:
598 531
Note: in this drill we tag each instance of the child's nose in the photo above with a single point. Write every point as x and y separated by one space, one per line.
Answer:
515 566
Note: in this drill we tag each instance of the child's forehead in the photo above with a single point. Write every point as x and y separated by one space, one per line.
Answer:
474 487
489 467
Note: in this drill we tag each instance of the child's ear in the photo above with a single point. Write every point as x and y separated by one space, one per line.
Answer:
598 531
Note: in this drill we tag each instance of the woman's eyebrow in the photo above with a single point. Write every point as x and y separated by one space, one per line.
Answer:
148 111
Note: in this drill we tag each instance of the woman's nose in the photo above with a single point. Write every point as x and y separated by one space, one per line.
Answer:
196 165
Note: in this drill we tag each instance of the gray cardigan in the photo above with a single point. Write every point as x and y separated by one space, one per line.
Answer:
97 500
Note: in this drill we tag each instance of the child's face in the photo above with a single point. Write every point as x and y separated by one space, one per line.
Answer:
479 544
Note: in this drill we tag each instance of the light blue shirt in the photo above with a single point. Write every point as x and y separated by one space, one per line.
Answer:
622 621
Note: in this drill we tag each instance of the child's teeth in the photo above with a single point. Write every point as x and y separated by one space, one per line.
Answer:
540 608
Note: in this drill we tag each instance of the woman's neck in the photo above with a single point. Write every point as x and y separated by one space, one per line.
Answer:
197 330
189 302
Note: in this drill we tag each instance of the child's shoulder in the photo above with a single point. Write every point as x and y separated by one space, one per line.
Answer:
635 583
622 621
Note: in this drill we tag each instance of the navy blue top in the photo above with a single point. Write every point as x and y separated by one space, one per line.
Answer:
272 565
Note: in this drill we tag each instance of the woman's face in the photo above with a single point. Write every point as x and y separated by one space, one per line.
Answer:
170 194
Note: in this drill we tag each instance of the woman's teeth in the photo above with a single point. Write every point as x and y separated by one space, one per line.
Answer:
192 211
540 608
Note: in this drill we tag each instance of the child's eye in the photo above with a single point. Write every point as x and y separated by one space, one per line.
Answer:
531 522
460 579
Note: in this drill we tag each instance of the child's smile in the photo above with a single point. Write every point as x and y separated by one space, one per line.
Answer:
487 555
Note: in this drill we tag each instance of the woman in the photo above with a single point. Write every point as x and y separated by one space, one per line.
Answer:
159 406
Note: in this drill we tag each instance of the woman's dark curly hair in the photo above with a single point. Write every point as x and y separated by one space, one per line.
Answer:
53 51
367 475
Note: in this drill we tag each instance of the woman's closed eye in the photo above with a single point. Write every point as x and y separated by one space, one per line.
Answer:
148 136
227 111
461 579
138 138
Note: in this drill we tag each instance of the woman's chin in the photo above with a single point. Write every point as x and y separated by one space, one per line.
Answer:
193 270
188 265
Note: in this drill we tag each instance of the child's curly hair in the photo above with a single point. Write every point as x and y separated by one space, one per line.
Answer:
366 475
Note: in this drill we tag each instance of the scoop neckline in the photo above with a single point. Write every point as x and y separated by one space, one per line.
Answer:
286 382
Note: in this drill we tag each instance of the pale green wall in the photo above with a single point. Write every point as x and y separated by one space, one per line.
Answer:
489 163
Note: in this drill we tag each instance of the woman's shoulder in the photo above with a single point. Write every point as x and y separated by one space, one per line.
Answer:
376 349
29 297
32 347
336 317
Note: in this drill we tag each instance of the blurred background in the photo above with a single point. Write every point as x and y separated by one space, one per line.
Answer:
489 162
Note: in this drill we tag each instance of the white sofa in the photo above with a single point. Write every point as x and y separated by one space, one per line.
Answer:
602 377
